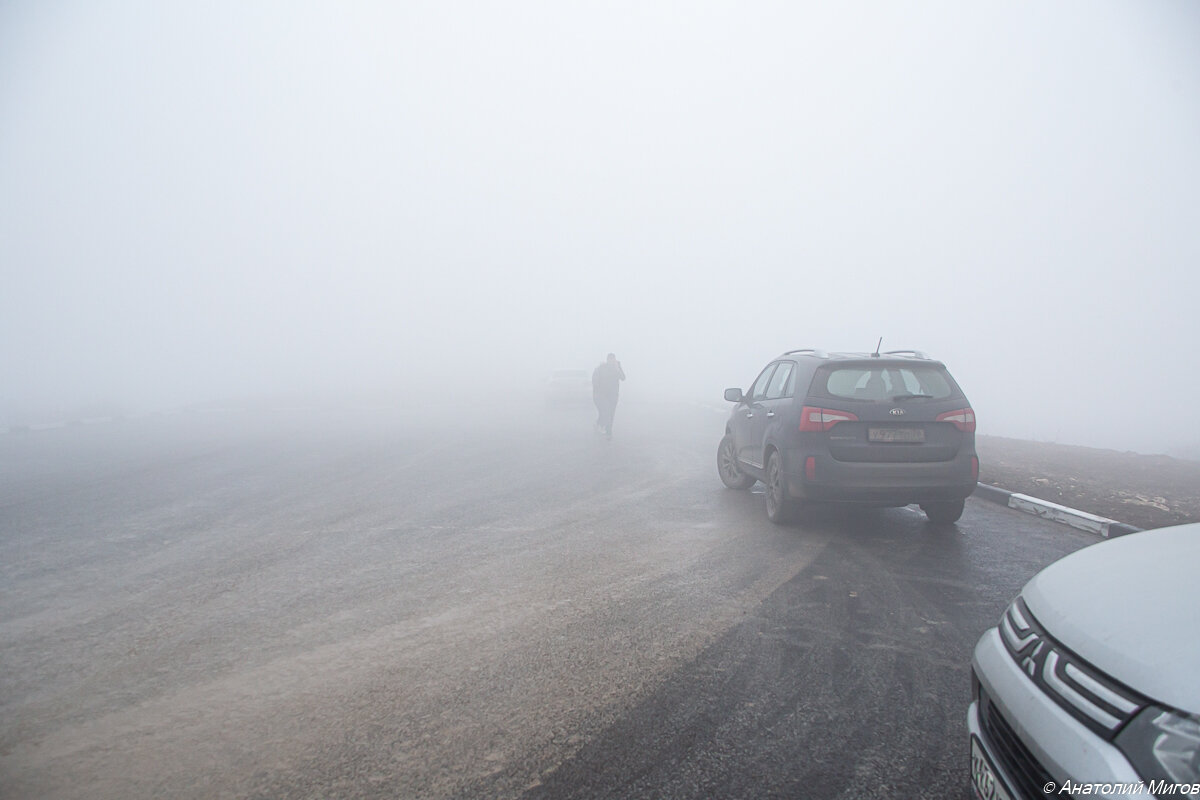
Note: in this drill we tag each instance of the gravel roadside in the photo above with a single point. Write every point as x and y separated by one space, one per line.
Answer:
1148 491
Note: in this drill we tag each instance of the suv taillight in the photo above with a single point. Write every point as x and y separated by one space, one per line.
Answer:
962 418
822 419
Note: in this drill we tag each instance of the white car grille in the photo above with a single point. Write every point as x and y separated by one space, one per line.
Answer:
1095 699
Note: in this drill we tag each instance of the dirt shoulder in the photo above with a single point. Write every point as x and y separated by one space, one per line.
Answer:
1149 491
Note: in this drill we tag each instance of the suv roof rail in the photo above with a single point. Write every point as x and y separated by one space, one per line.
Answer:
815 352
916 354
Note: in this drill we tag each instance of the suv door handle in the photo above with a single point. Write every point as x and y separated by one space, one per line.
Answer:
749 414
770 413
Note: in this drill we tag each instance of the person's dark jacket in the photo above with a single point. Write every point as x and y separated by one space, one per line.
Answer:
606 380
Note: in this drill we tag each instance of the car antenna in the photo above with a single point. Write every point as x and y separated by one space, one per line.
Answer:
877 346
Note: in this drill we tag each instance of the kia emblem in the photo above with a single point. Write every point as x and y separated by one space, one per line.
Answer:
896 412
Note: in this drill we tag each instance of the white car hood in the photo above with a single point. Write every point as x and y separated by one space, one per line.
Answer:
1130 608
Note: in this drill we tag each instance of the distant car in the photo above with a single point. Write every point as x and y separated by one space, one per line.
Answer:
1093 676
569 387
877 429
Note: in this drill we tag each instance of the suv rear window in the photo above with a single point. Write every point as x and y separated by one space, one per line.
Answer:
884 382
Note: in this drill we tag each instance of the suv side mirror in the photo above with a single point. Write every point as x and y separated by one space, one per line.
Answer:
734 395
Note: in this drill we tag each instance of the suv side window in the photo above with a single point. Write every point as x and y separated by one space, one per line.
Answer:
759 390
782 382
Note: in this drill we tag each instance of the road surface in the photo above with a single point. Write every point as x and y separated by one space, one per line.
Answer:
467 604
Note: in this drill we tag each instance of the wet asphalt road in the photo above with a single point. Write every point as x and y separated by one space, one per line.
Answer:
469 605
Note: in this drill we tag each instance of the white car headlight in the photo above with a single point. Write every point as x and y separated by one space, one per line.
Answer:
1163 745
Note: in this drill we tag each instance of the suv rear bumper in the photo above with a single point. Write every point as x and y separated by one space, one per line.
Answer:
877 483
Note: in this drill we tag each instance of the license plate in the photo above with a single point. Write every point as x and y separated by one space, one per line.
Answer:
895 434
983 776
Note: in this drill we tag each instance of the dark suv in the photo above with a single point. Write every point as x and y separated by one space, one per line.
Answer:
876 429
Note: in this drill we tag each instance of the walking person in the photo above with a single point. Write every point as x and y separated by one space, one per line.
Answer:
606 385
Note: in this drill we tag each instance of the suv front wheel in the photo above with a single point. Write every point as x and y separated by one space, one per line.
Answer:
781 506
727 465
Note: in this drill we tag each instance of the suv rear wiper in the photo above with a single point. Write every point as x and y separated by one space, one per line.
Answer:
911 397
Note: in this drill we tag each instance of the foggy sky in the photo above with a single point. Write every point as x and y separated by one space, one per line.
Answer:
243 198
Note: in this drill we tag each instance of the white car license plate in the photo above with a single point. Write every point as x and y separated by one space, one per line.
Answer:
983 776
895 434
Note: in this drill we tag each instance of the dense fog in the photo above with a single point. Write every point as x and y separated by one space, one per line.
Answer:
204 203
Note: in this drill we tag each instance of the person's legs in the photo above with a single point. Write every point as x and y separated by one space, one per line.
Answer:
606 415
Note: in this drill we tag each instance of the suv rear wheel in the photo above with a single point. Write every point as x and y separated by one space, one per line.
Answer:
946 512
727 465
781 507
